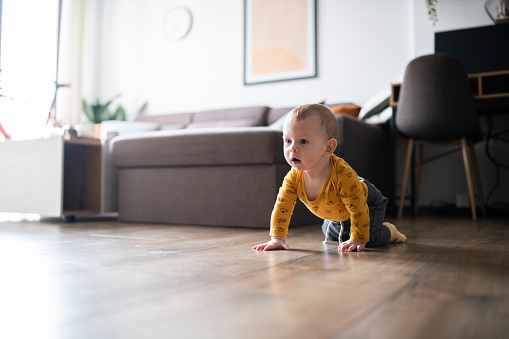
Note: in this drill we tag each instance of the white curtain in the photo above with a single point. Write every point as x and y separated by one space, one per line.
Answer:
80 40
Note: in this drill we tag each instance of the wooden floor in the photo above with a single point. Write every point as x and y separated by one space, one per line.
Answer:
108 279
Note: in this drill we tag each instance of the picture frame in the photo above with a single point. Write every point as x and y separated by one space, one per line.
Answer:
280 40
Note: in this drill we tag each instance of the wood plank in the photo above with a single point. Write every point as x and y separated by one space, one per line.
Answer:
125 280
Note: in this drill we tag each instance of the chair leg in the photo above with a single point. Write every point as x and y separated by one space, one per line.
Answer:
477 177
418 178
408 160
468 173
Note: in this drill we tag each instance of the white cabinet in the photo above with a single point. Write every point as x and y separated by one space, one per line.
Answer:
56 177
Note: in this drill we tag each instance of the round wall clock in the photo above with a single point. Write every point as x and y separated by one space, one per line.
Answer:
178 22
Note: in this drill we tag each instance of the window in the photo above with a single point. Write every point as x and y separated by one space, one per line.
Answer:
28 51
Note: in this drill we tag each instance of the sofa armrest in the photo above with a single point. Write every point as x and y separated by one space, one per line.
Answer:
366 148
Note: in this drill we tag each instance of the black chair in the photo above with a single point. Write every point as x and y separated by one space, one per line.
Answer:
436 106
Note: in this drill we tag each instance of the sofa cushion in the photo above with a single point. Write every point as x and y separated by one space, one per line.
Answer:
375 105
198 147
230 117
350 109
224 123
168 121
276 114
126 127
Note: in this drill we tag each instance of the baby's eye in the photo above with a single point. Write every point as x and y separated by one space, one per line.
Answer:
303 141
288 141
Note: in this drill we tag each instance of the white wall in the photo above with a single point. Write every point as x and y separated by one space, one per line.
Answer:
363 46
452 15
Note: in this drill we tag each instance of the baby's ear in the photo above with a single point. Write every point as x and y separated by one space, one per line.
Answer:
331 146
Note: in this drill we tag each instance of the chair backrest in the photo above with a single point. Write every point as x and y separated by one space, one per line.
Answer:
436 102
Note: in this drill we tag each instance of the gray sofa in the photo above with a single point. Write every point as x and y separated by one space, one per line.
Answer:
224 167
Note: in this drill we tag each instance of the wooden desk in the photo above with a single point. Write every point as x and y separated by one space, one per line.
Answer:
487 85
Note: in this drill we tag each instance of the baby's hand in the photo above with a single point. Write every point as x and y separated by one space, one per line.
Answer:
276 243
351 245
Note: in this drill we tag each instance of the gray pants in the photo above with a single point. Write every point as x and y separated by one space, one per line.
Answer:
379 234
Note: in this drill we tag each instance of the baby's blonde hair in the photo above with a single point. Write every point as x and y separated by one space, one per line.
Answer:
324 113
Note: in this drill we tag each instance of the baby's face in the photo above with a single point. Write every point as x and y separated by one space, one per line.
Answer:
305 143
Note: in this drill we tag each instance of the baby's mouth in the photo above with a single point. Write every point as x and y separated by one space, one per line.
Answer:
295 160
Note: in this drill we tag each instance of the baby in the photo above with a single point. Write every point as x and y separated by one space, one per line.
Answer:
353 209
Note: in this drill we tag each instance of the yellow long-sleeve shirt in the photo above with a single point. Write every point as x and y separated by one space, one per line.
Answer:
343 197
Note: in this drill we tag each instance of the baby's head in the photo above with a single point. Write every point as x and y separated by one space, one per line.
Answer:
323 113
309 135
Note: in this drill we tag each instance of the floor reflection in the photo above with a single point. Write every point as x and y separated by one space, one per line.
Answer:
4 217
28 290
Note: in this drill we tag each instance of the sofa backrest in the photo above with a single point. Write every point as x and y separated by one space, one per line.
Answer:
230 117
276 113
168 121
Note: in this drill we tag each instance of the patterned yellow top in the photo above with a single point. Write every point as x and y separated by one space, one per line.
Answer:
343 196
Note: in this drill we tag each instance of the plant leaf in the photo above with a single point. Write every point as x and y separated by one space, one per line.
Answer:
89 113
143 108
119 114
98 112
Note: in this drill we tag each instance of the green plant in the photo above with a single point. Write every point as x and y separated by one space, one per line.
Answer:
97 113
432 10
143 108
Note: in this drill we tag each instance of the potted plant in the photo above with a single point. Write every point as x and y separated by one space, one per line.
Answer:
432 10
98 112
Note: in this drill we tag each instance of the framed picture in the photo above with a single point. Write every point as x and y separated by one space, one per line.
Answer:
279 40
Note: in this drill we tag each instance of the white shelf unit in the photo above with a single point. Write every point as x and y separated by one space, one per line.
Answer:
55 177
